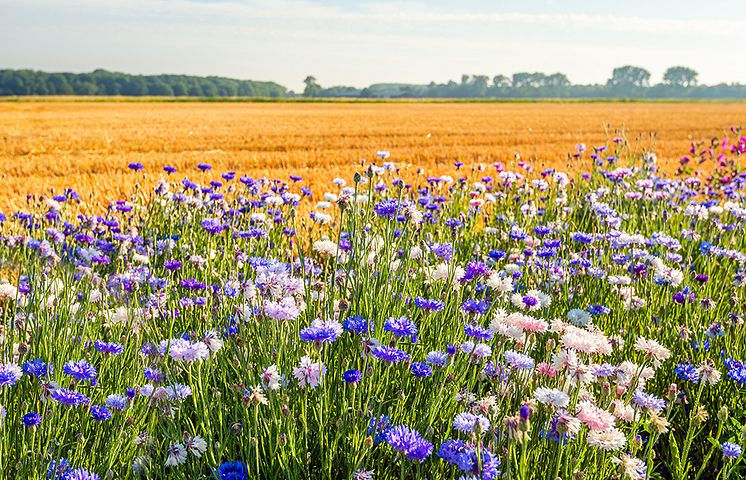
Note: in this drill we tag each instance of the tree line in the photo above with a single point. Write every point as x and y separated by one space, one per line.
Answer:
102 82
625 82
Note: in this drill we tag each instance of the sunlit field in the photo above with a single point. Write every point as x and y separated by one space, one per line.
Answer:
227 291
87 145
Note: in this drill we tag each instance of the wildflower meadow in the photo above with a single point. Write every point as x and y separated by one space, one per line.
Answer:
470 322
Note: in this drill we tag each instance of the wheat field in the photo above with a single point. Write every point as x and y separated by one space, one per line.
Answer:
47 146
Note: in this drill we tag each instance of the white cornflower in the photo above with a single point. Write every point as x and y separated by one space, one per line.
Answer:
552 396
177 454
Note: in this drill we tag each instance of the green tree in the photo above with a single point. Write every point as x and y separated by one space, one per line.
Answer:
629 76
684 77
313 89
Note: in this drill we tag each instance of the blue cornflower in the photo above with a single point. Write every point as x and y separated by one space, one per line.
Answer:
476 331
390 354
420 370
58 468
604 370
647 401
378 427
110 348
701 345
81 474
213 225
736 370
518 360
31 419
9 374
136 166
464 456
598 309
478 307
153 374
232 471
70 398
581 237
437 358
444 251
401 327
100 413
386 208
731 450
116 401
36 367
318 334
352 376
204 166
430 305
81 371
497 254
358 324
409 442
687 371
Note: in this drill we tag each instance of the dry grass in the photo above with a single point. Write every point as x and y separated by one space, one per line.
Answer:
87 146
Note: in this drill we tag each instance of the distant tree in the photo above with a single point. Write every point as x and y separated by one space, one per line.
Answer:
479 85
313 89
521 79
680 77
629 76
556 80
500 82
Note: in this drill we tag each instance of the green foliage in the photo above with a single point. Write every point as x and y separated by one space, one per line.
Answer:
102 82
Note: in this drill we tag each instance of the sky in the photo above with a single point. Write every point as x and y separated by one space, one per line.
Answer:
360 43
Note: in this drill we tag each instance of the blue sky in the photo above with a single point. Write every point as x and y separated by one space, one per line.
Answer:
358 43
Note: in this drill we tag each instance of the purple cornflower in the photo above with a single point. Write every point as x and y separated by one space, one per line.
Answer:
390 354
386 208
100 413
110 348
444 251
80 371
647 401
518 360
172 265
69 398
409 442
474 270
478 332
213 225
478 307
401 327
429 305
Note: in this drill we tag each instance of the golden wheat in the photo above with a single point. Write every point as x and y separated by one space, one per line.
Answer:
46 146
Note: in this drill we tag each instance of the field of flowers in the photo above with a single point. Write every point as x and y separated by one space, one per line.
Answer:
479 324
